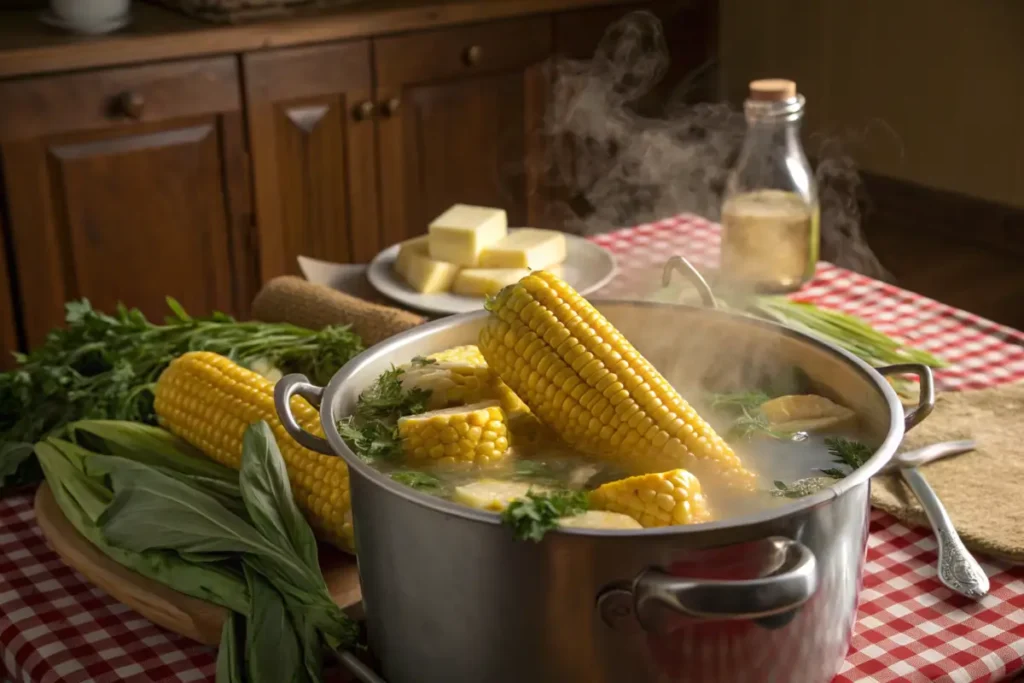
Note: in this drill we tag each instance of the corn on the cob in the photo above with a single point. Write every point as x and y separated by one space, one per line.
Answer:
587 382
663 499
209 401
476 434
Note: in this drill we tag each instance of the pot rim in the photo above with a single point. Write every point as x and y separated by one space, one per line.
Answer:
861 475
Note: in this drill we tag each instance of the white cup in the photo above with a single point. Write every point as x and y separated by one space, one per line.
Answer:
89 14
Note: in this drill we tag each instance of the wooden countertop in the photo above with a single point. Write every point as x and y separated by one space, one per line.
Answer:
29 47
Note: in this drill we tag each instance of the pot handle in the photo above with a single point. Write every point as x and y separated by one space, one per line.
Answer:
289 386
776 594
692 275
926 399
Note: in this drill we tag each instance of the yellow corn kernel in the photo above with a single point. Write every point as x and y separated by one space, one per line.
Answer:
209 401
603 383
467 435
664 499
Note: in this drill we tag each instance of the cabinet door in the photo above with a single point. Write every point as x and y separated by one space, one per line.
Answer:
8 340
312 139
460 113
127 185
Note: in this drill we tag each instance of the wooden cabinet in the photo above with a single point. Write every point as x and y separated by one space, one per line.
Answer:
8 337
127 185
311 131
460 115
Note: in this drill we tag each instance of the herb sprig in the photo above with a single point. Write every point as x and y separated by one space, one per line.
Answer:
421 481
104 366
536 514
372 429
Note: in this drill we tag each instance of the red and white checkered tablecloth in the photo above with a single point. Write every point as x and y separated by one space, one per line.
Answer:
54 626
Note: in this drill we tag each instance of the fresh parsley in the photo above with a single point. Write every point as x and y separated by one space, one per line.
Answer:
421 481
847 452
372 429
739 400
750 424
536 514
421 361
102 366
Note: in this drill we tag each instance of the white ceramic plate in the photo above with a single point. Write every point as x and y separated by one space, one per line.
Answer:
587 267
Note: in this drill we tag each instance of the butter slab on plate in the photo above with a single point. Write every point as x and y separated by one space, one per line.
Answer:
587 267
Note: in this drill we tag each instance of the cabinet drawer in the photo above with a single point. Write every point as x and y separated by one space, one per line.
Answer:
88 100
462 51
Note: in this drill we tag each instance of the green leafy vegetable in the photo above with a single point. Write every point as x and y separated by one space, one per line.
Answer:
421 361
536 514
273 650
231 654
421 481
104 367
750 424
848 452
740 400
372 430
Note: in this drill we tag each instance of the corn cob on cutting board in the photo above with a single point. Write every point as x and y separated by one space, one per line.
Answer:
193 618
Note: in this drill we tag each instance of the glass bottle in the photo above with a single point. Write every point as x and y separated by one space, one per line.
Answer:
770 216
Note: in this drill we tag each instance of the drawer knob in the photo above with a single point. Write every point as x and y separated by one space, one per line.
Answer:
472 55
390 107
131 104
363 111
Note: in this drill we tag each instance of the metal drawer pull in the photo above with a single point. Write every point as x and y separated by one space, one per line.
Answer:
363 111
390 107
130 104
472 55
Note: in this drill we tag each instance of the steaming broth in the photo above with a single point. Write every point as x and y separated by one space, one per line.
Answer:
553 466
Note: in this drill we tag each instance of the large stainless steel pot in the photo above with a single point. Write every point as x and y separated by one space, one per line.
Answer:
451 597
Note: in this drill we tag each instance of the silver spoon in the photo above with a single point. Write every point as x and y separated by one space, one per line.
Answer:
958 570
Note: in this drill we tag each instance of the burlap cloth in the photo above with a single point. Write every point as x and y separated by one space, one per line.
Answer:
982 490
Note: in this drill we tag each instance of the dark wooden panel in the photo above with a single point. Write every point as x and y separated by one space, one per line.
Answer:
8 337
460 52
458 141
313 155
92 100
958 250
133 217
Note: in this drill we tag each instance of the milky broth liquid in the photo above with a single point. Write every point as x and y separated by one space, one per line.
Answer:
769 240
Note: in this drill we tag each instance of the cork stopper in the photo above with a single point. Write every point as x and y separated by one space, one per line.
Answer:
772 90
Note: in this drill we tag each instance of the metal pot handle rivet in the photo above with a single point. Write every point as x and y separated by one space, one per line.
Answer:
926 399
287 387
692 275
654 590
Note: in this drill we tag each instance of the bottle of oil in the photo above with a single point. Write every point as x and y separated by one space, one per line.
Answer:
770 218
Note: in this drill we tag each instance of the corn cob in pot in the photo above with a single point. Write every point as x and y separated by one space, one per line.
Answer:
209 401
469 435
663 499
581 377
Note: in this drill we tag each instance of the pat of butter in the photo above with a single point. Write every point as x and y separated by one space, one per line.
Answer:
421 272
408 250
462 232
486 281
526 248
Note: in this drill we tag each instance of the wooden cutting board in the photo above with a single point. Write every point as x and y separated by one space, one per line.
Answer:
193 618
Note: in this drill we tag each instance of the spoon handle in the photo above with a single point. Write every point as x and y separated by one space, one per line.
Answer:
958 570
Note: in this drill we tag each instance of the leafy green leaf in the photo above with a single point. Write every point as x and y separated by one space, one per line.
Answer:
274 654
536 514
154 446
74 492
178 310
739 400
268 496
231 653
421 481
751 424
13 456
421 361
848 452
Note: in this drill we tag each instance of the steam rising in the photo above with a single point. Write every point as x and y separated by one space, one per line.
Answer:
619 168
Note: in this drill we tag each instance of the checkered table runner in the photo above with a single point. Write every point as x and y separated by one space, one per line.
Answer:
54 626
